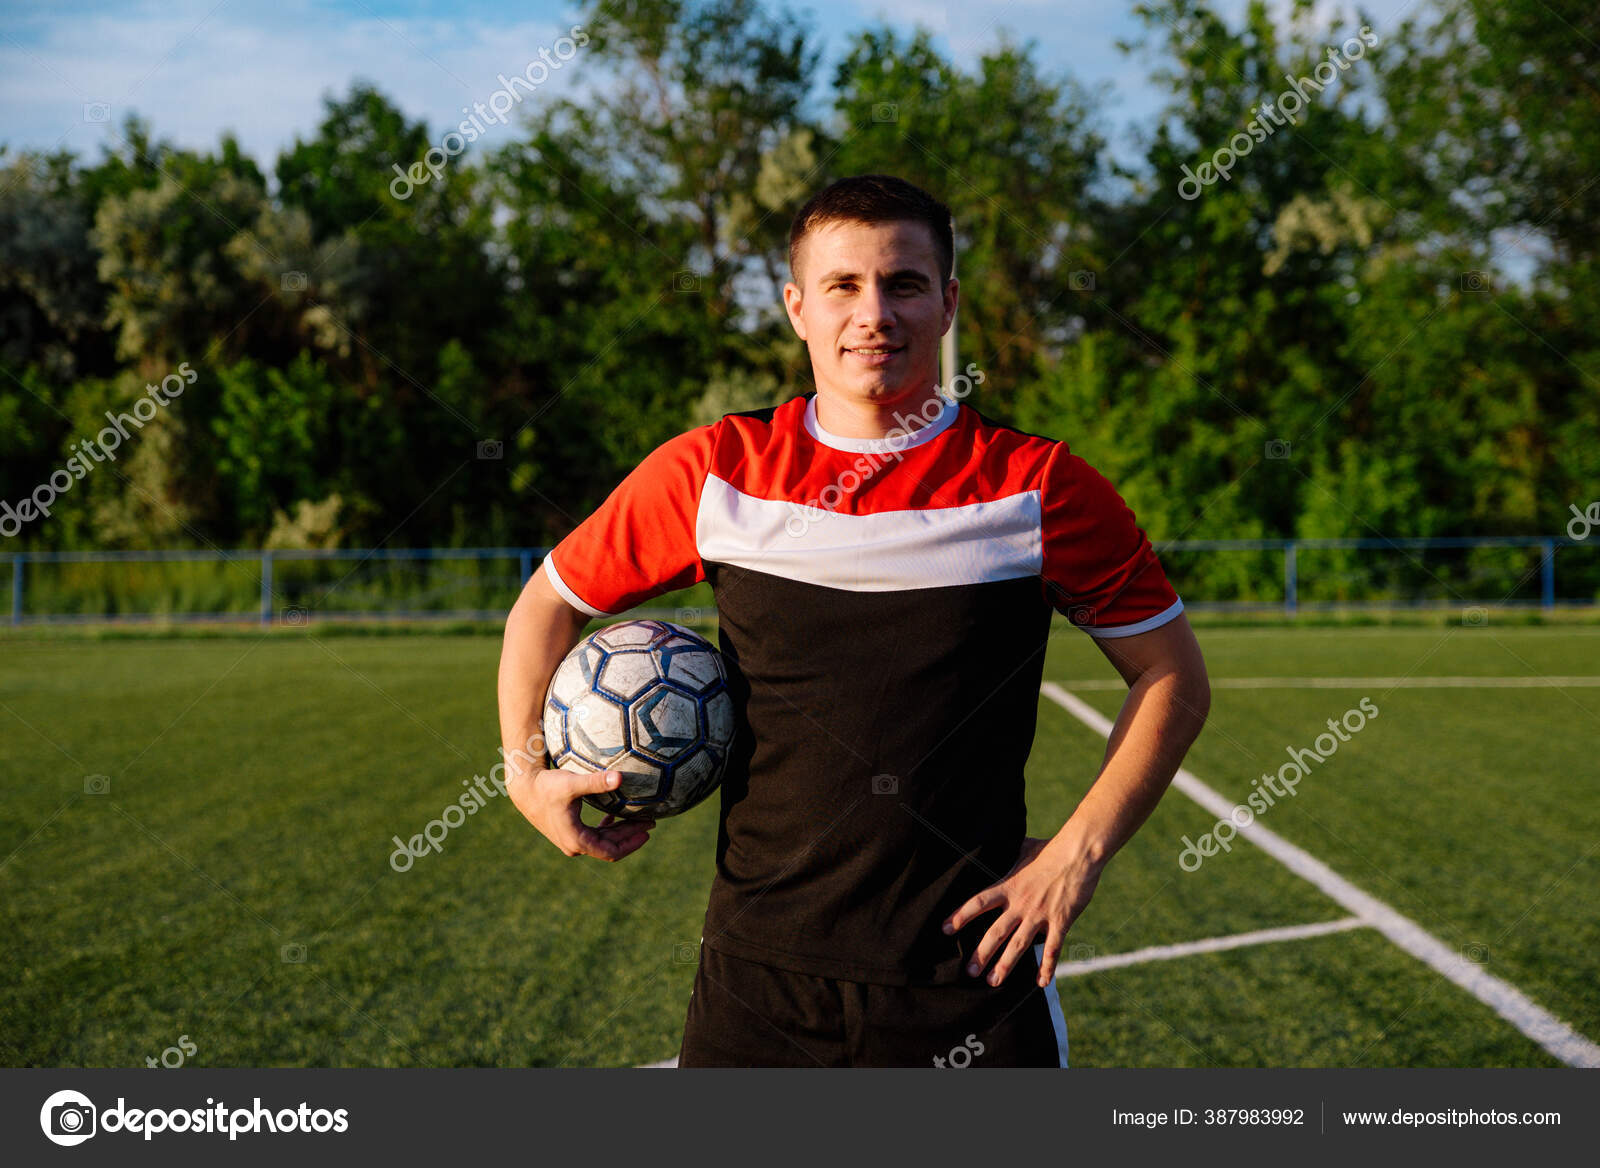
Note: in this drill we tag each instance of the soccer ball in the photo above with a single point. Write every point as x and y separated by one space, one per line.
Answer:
648 699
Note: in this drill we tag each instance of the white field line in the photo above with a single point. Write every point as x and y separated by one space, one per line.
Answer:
662 1065
1209 945
1500 996
1101 683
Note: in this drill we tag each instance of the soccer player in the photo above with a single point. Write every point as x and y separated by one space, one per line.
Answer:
886 561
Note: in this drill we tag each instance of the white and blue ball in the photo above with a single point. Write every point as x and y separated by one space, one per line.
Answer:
649 699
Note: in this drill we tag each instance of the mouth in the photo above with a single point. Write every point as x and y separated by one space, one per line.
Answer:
875 355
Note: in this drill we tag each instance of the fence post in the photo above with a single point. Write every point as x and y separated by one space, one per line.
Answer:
16 589
1547 575
1291 578
527 564
266 587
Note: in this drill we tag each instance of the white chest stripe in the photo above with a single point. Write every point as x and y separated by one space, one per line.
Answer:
890 551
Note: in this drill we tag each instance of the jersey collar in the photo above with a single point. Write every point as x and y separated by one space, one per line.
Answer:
898 442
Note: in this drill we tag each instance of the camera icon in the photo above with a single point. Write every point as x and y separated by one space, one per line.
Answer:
1475 282
71 1121
97 785
292 281
886 111
1081 614
685 953
686 282
1080 281
293 953
1475 953
1079 951
885 785
1277 448
96 111
1475 617
295 615
490 449
688 616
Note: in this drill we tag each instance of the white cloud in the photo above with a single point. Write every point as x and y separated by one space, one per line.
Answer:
194 69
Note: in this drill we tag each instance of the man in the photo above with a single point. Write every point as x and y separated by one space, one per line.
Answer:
885 562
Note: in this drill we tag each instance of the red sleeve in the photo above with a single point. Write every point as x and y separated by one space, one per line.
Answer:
640 542
1099 568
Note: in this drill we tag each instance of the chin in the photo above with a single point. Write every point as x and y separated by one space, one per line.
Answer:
878 388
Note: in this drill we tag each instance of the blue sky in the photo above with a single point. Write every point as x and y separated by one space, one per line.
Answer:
194 68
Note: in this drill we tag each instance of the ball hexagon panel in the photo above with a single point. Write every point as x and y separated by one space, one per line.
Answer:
555 728
576 673
720 719
691 775
627 635
597 729
665 722
627 673
689 665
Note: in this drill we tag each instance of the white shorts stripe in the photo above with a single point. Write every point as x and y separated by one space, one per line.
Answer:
1057 1018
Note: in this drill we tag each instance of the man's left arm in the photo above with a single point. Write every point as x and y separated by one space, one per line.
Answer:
1052 881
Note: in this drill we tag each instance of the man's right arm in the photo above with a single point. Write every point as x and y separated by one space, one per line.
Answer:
541 630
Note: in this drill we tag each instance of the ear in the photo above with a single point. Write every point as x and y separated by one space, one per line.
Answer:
952 292
791 305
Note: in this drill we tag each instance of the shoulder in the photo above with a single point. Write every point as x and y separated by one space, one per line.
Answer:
1008 453
1046 463
755 436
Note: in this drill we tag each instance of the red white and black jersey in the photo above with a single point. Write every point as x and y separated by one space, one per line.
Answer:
884 606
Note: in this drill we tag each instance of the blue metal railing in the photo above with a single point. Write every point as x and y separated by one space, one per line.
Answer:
267 560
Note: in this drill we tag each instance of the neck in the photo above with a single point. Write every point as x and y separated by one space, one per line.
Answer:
870 419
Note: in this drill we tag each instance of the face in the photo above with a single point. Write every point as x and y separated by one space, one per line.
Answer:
871 310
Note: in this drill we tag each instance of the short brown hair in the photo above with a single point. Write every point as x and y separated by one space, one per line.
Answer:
875 198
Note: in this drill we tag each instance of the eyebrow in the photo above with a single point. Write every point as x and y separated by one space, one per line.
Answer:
901 274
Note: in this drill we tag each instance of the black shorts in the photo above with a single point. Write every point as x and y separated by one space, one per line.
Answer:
746 1014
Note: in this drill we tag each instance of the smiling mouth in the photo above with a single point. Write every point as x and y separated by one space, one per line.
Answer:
876 350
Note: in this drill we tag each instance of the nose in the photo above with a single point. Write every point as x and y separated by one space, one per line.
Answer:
874 309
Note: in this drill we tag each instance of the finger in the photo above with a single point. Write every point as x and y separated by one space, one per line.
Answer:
614 842
1050 957
619 832
1021 942
579 784
590 842
981 903
991 943
629 846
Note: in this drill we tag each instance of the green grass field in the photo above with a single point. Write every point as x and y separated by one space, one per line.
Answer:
232 882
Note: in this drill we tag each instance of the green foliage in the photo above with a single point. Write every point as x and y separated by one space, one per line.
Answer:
1302 349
